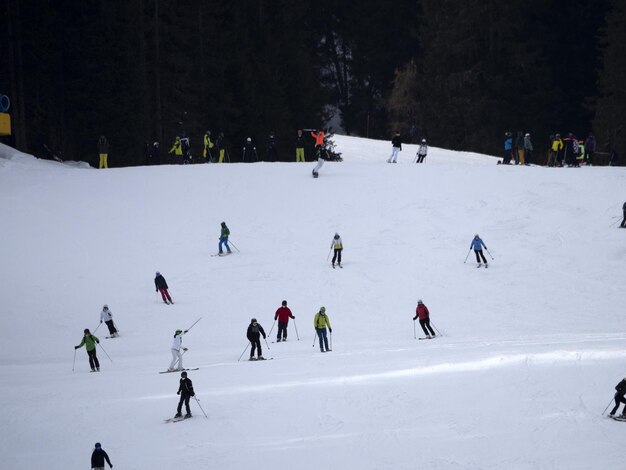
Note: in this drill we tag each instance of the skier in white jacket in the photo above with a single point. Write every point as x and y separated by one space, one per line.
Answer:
177 356
337 246
422 152
107 318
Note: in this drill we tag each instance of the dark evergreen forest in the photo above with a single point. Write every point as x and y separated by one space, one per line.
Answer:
458 72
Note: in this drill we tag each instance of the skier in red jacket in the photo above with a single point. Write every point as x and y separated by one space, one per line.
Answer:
283 314
423 314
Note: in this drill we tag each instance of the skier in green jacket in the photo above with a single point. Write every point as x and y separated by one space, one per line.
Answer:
320 322
224 239
90 341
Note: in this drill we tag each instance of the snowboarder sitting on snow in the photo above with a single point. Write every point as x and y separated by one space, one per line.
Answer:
477 244
423 314
337 246
422 152
161 286
224 238
177 356
254 336
185 390
320 322
98 457
90 341
623 224
107 317
619 398
283 314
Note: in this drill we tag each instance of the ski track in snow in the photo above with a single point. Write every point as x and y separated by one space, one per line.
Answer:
531 348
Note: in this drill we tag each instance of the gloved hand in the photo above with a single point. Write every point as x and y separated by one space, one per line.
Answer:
76 347
330 329
98 341
185 332
264 337
185 349
178 393
415 318
193 394
100 321
157 290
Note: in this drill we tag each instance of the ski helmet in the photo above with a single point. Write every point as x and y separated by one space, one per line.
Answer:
322 309
476 236
208 132
248 139
183 375
253 320
98 445
284 303
423 141
178 332
86 331
158 273
336 235
156 144
419 302
105 307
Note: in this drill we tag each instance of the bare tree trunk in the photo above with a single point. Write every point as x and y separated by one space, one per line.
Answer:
16 70
157 73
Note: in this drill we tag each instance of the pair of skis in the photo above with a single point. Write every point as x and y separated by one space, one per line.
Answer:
177 370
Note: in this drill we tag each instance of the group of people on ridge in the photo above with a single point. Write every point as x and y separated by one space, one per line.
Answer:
396 148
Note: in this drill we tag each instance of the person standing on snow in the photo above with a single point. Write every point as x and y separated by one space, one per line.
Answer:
423 314
508 145
272 153
103 151
107 318
98 457
254 336
519 148
619 398
623 224
207 153
224 239
90 341
528 149
283 314
300 147
177 150
185 390
590 149
422 152
477 245
177 356
161 286
249 152
337 246
320 322
396 146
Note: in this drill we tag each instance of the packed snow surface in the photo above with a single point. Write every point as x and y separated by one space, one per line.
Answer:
530 351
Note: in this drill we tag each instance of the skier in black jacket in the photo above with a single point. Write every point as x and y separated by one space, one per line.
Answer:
619 398
272 154
98 457
299 146
249 152
185 390
254 336
161 286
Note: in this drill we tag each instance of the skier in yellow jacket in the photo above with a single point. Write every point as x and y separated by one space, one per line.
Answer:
208 148
177 149
320 322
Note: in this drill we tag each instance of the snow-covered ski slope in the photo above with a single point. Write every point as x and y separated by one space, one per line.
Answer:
531 351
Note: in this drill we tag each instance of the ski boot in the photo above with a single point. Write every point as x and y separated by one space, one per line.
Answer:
260 358
97 369
178 415
188 415
252 359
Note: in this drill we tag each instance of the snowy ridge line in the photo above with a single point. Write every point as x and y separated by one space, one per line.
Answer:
498 361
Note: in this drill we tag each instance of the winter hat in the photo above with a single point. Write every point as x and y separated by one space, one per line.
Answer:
336 235
98 446
476 236
183 375
158 273
178 332
284 303
86 331
423 141
322 309
248 139
419 302
527 134
105 307
253 320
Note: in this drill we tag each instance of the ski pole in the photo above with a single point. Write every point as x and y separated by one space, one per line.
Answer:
270 333
157 297
489 253
244 351
470 250
331 341
187 330
438 332
105 352
414 331
328 257
314 338
96 328
607 407
268 346
198 402
234 246
296 326
74 362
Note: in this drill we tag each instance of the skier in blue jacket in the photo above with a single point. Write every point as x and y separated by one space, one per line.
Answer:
477 244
